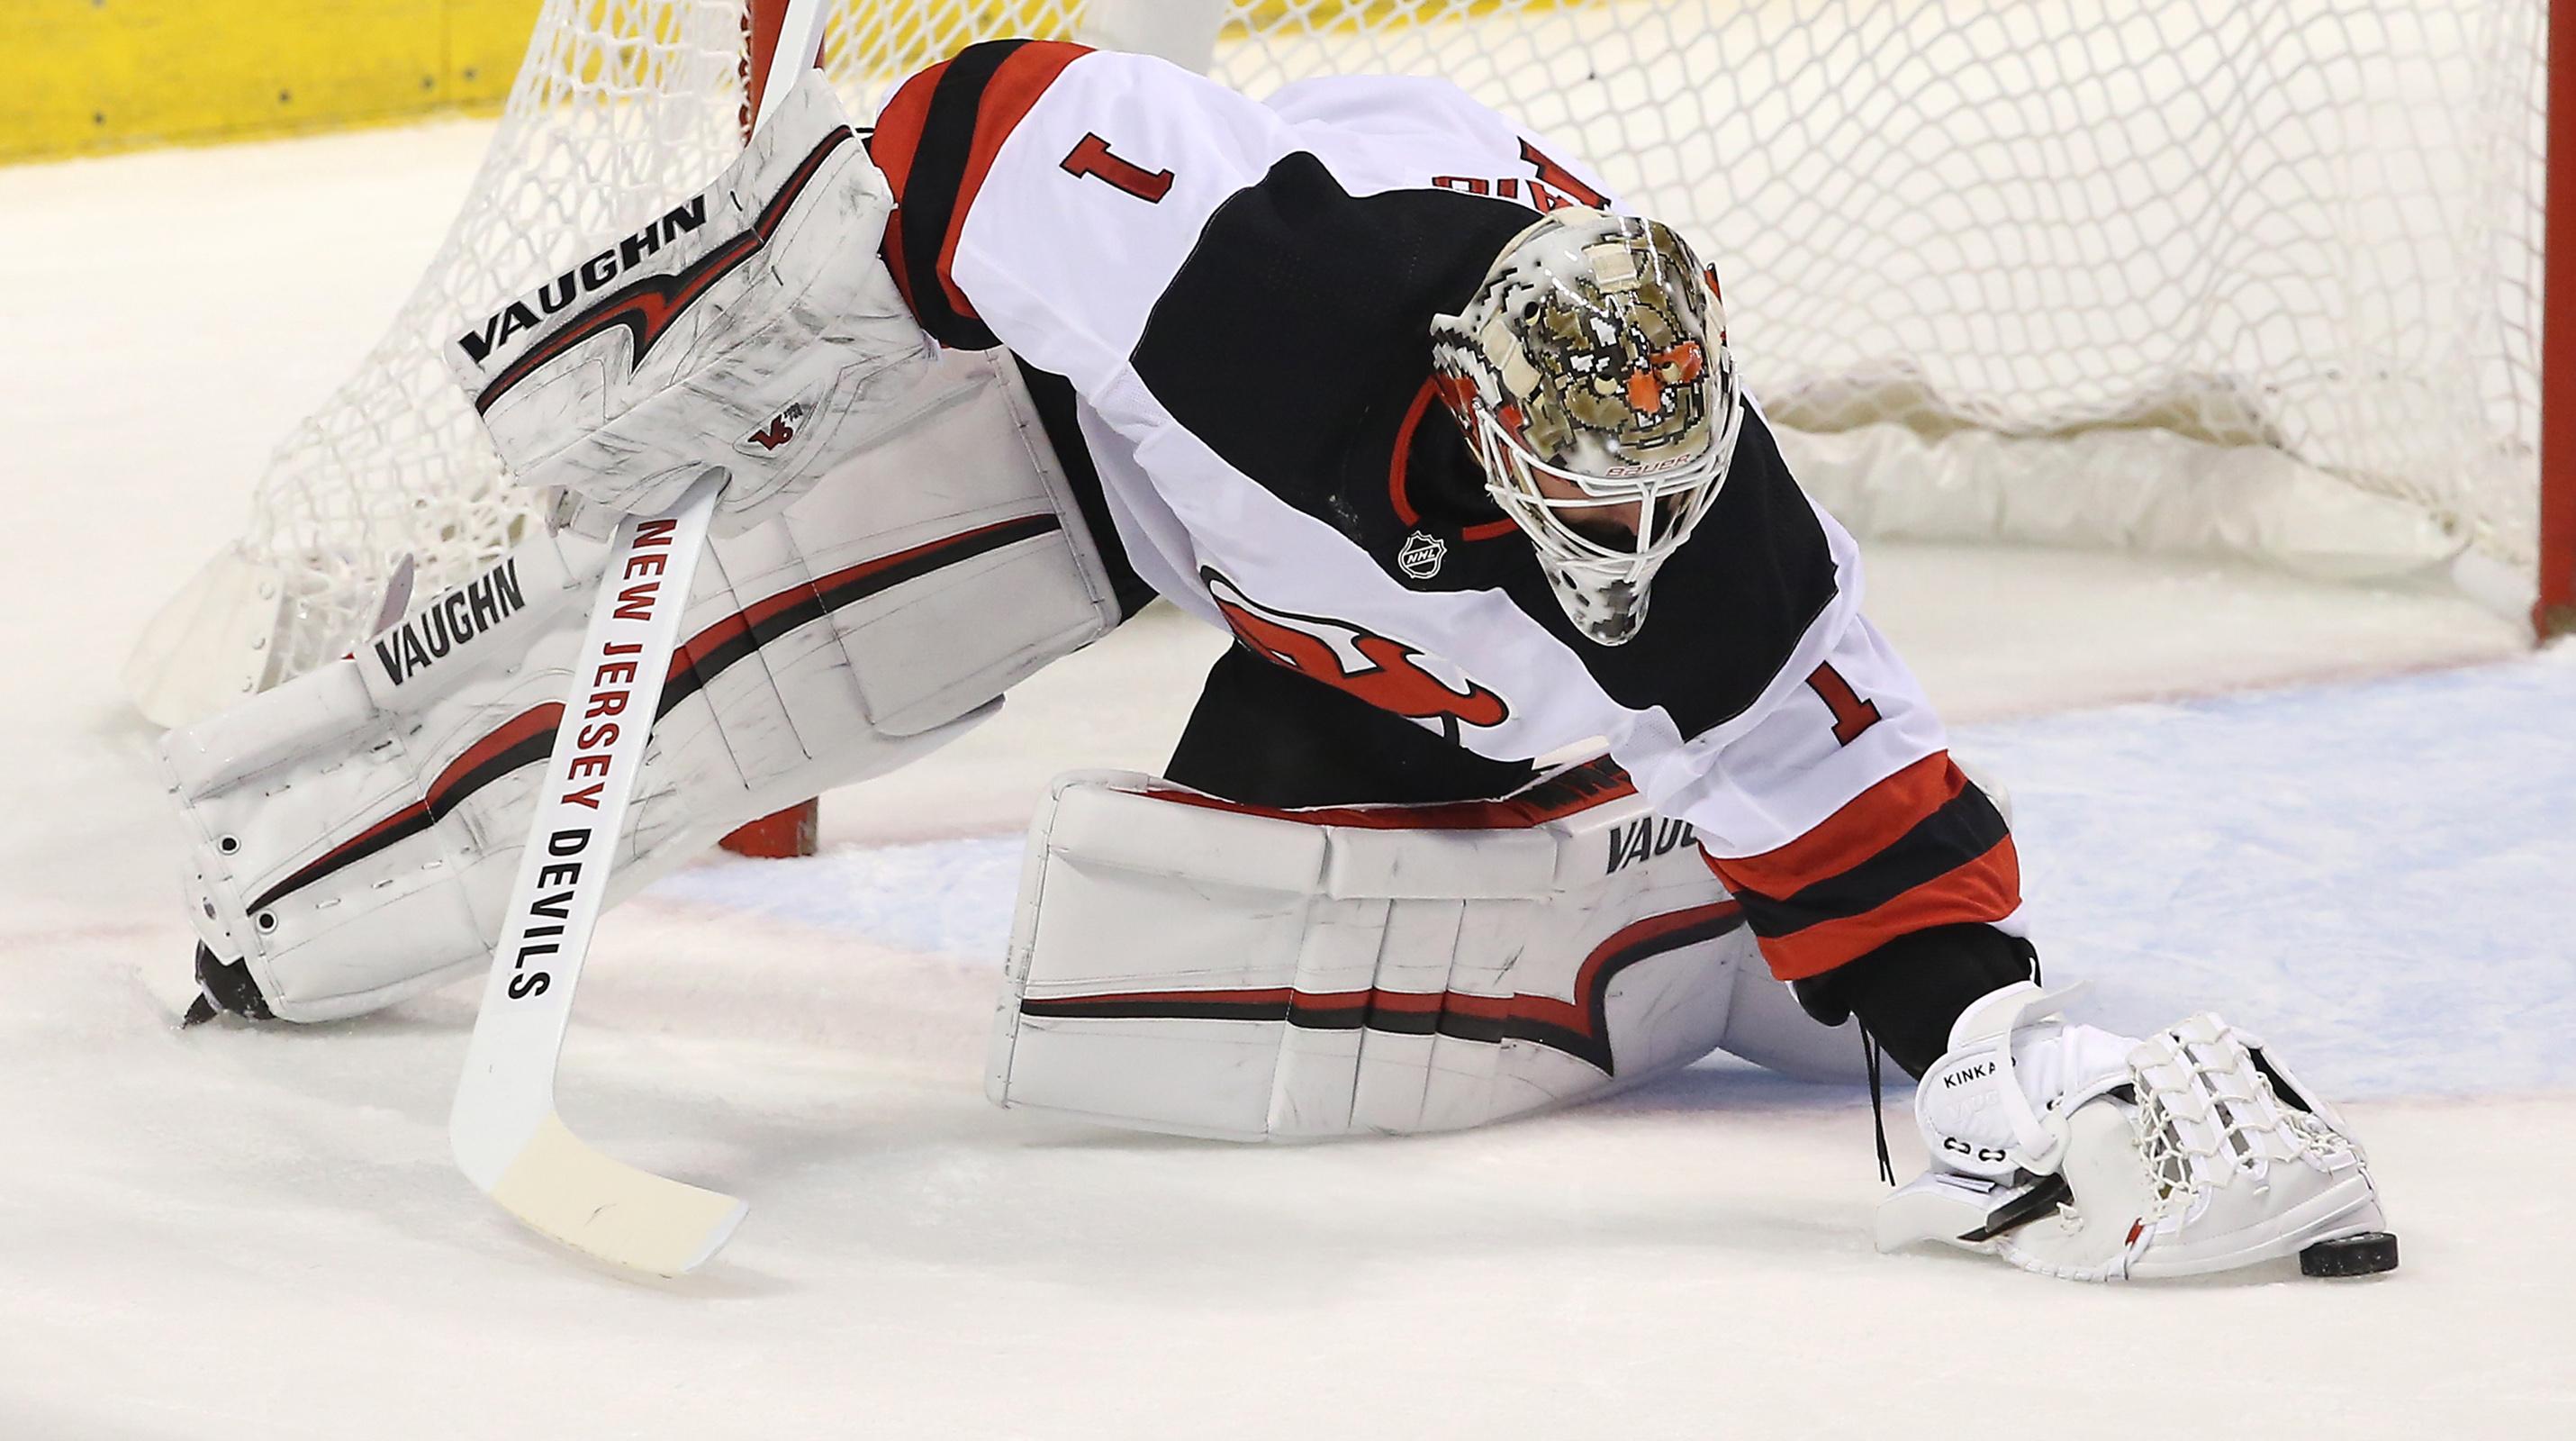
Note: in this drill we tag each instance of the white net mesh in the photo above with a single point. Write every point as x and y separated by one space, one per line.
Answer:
2308 229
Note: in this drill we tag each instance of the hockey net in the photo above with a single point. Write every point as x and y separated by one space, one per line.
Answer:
2192 275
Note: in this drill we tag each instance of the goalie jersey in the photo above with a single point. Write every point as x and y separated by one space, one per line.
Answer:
1240 296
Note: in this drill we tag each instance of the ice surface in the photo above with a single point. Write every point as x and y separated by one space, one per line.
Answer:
226 1233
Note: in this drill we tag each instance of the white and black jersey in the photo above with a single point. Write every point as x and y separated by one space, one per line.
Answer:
1240 296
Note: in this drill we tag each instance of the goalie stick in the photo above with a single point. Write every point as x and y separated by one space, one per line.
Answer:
503 1129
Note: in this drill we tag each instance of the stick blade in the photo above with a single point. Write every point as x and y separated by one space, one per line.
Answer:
559 1187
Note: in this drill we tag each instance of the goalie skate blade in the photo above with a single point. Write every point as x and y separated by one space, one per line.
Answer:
2367 1254
561 1188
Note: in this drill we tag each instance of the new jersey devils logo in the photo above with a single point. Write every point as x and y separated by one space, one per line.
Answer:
1378 669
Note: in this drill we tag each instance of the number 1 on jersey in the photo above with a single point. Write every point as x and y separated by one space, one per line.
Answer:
1091 157
1852 715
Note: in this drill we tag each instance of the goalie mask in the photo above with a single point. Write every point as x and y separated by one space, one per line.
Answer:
1591 376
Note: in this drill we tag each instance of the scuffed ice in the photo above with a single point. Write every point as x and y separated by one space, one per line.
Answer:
2378 879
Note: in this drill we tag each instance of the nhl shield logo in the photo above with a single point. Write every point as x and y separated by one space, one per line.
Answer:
1422 555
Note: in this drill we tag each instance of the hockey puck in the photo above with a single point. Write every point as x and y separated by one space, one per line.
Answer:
2367 1254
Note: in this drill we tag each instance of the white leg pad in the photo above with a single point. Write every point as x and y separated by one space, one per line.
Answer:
1182 964
351 834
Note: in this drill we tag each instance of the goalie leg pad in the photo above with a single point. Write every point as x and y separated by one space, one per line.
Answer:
1184 964
351 835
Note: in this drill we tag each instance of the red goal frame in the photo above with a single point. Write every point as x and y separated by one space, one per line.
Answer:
2554 612
796 830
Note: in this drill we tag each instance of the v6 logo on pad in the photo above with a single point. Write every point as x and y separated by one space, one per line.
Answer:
780 430
1378 669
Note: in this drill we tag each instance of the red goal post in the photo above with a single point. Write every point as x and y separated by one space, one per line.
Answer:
2553 613
797 830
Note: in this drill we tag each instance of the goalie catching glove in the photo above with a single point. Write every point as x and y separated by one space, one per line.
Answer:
750 330
2076 1153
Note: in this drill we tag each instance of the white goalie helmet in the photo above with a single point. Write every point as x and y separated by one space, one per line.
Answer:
1591 375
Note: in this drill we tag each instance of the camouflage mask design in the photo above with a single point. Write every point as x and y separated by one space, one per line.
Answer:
1594 355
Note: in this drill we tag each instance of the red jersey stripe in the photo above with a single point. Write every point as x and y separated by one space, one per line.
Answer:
1003 101
895 141
1987 888
1006 101
1864 826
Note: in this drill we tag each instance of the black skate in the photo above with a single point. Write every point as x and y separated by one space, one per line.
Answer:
224 987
